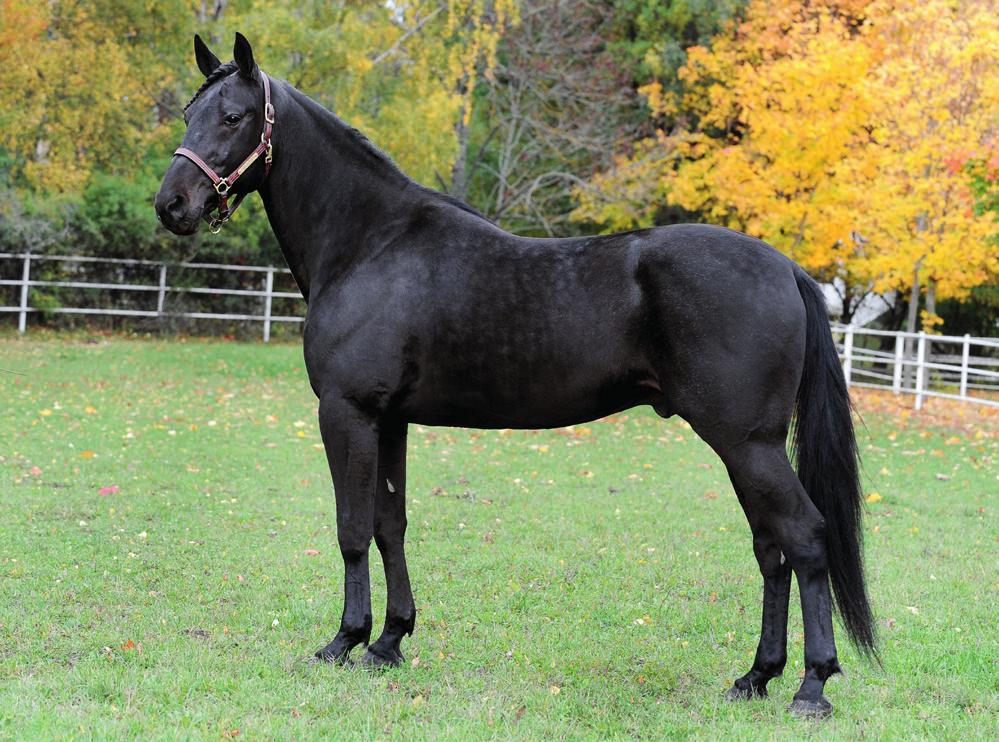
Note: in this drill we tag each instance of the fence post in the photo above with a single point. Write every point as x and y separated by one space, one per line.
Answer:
920 369
896 379
848 353
965 352
22 318
161 296
269 289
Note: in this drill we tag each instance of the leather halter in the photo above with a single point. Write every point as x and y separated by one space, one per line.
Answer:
224 185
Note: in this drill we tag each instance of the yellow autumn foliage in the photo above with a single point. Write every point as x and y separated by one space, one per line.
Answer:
829 129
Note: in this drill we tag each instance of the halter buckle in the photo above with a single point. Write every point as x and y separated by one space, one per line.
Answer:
268 113
222 188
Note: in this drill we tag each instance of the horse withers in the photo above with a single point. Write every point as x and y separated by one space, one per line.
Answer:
420 310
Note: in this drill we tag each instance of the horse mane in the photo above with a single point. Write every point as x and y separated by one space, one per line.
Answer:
379 155
223 70
455 201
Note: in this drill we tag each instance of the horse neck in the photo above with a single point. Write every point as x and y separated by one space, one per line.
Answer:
327 191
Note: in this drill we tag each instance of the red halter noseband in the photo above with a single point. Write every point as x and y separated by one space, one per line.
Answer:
224 185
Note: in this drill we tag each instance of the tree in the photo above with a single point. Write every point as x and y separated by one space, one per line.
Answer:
553 110
92 94
562 102
824 128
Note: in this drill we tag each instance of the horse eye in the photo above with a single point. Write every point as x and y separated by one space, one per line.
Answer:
232 119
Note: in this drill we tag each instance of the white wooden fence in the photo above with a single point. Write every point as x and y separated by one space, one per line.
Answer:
162 289
903 362
910 364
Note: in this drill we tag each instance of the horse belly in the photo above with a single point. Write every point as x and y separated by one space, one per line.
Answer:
531 394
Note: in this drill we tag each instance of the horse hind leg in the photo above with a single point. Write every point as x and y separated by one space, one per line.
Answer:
774 499
771 653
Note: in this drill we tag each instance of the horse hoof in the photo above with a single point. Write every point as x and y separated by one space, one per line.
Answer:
735 693
332 656
804 709
379 662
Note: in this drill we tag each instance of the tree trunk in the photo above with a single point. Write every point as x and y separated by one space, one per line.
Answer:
459 179
931 297
910 322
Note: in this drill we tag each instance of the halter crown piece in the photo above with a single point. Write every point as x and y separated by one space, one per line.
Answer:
224 185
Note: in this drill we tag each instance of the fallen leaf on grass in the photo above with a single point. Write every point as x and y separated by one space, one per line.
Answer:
312 552
105 491
873 497
943 477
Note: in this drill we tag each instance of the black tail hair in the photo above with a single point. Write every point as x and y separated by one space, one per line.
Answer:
826 452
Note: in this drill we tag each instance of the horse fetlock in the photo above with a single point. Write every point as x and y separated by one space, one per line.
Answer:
770 667
823 669
404 623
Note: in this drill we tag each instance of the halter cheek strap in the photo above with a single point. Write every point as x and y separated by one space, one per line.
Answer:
224 185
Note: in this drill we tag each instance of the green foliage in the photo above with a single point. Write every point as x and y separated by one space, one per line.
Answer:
652 37
114 218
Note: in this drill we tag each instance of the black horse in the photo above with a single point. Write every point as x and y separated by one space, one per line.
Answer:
422 310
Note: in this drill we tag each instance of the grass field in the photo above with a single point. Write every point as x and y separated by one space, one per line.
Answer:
168 565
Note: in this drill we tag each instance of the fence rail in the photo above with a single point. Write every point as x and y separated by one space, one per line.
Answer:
900 361
905 363
161 288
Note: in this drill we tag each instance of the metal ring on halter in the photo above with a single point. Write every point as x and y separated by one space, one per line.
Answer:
222 187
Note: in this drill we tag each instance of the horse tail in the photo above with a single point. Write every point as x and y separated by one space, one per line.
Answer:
825 449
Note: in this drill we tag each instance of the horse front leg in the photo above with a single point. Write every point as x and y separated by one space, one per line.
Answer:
351 441
390 535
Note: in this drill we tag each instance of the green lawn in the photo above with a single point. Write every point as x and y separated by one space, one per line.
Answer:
587 583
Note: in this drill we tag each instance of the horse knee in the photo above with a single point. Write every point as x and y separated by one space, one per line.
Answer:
354 550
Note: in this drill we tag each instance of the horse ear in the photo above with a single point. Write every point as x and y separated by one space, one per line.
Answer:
207 62
243 55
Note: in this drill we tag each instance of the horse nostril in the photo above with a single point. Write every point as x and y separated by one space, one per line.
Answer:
176 206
